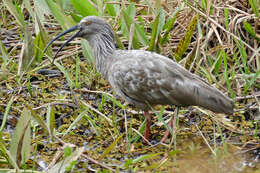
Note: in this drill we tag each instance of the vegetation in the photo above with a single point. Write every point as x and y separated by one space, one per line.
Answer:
62 116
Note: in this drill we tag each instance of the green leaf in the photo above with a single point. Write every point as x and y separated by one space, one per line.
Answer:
84 7
7 109
79 117
41 9
113 9
108 149
20 146
40 41
156 29
67 151
217 64
250 30
4 54
169 25
50 119
185 41
255 6
14 11
243 53
226 18
127 21
27 53
65 21
226 73
38 118
145 157
87 51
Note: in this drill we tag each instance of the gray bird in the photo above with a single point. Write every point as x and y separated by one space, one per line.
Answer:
145 78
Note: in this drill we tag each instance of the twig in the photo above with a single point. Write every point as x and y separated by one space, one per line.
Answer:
222 28
95 110
136 131
98 163
206 140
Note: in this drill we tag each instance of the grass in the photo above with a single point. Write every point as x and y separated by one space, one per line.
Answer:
78 108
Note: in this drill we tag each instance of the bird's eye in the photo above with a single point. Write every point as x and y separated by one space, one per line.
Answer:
88 22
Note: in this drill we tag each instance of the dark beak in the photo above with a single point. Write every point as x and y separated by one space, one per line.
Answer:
64 44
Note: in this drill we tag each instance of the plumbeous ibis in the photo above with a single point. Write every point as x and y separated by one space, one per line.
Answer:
145 78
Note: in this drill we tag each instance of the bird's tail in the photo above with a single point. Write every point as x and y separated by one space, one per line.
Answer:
211 98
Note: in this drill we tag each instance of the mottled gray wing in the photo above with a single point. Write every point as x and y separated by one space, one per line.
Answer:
142 77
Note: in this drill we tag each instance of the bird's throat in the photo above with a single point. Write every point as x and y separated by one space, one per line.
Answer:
103 47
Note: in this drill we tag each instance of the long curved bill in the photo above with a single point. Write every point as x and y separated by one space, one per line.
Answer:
64 44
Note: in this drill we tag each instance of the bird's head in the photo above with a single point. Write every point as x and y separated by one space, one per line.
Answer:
87 28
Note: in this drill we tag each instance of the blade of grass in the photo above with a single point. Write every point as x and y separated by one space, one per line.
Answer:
145 157
79 117
217 64
14 11
50 119
250 30
243 53
224 55
110 148
156 29
7 109
255 6
252 81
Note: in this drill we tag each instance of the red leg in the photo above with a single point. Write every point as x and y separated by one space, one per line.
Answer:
147 125
171 125
167 132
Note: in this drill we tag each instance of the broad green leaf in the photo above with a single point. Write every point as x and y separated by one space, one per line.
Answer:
84 7
112 9
65 21
87 51
41 9
128 20
20 146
